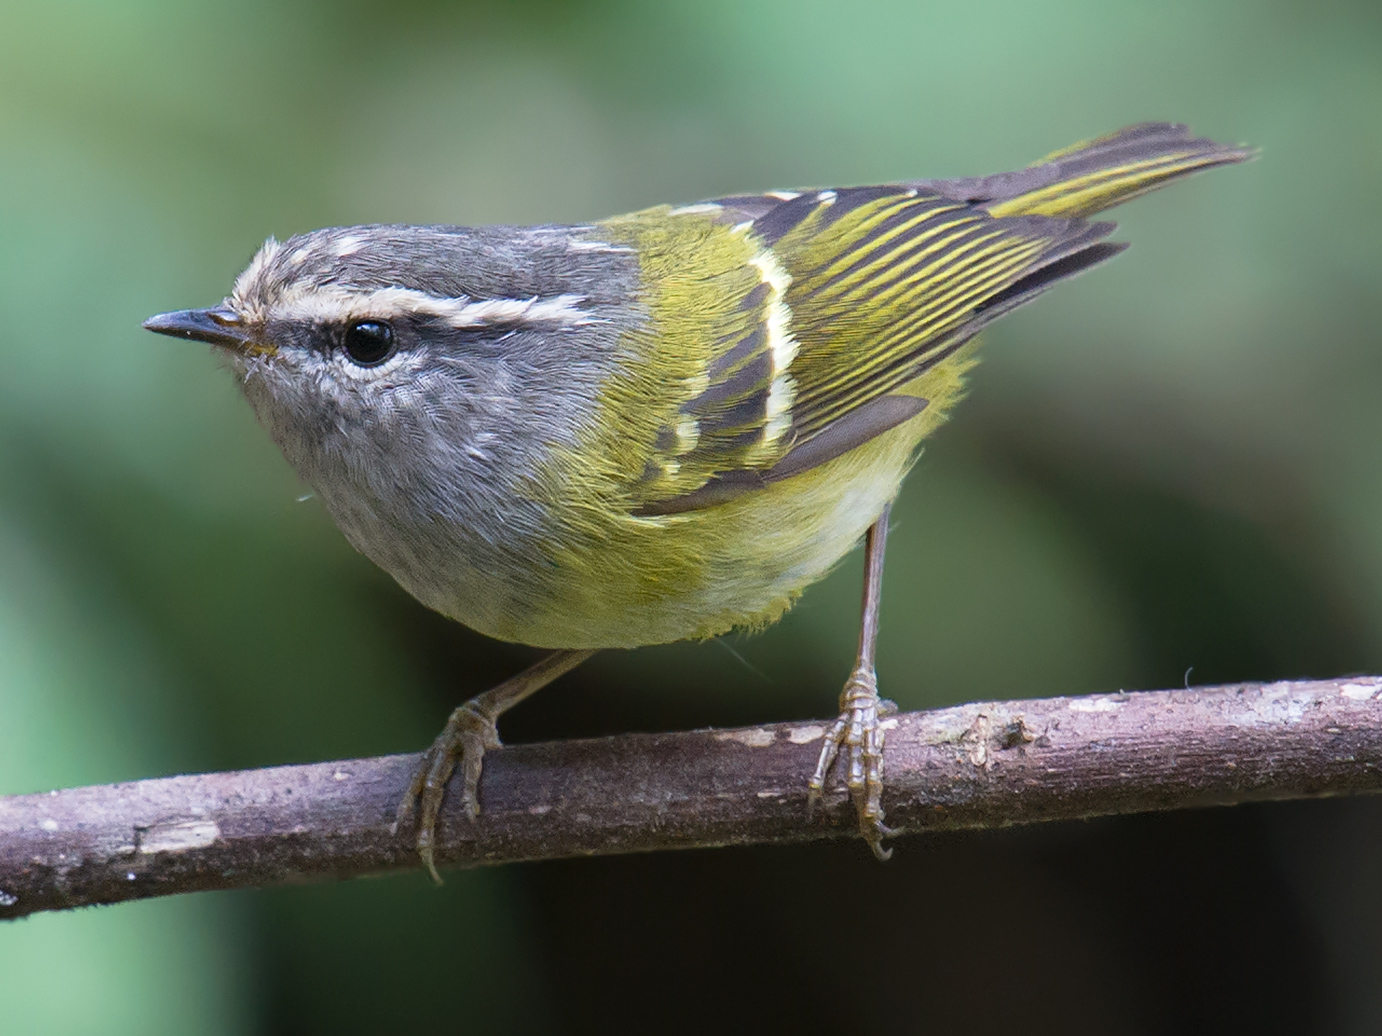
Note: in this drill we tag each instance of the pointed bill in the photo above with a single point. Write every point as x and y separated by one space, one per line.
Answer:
217 326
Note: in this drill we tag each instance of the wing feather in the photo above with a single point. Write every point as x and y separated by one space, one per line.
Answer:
789 326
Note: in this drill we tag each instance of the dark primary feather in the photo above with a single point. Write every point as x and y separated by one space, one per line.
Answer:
1096 174
1164 150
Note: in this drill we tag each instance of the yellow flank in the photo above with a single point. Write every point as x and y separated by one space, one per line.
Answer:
646 580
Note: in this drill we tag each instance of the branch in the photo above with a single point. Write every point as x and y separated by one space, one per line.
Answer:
973 766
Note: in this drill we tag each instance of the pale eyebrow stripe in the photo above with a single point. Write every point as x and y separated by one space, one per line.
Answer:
333 302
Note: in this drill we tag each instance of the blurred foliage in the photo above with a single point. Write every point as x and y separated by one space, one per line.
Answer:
1170 463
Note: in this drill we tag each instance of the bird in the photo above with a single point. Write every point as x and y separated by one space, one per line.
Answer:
655 427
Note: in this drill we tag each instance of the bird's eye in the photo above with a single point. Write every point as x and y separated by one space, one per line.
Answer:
369 342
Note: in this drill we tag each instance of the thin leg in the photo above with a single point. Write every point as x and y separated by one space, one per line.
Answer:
471 730
854 744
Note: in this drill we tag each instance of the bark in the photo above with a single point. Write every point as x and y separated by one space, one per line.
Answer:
973 766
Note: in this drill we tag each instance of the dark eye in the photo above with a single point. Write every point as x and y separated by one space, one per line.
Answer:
369 342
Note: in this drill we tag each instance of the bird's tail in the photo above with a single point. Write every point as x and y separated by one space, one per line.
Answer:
1095 175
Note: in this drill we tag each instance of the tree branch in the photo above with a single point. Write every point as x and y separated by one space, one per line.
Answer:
984 765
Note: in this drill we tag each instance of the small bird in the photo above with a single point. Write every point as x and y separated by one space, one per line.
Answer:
659 426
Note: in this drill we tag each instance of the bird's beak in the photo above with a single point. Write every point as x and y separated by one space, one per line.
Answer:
218 325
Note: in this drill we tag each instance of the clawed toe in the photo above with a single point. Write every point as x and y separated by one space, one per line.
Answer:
854 749
468 733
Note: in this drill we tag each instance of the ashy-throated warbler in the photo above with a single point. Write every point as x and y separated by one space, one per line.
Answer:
659 426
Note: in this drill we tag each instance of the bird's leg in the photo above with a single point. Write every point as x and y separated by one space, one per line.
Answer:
854 744
471 730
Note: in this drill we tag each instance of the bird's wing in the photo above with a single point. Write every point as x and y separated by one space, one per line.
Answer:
783 327
778 343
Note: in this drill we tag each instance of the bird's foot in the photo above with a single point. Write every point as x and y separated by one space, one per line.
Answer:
469 732
854 748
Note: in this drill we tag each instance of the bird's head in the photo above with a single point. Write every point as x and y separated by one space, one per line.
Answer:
370 350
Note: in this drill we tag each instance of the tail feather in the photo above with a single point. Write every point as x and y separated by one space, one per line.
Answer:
1094 175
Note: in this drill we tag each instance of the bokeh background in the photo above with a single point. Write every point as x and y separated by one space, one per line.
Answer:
1170 463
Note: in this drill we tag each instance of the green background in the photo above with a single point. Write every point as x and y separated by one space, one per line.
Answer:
1171 463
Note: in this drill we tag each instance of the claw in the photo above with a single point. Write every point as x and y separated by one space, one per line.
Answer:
829 751
854 748
469 732
463 741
